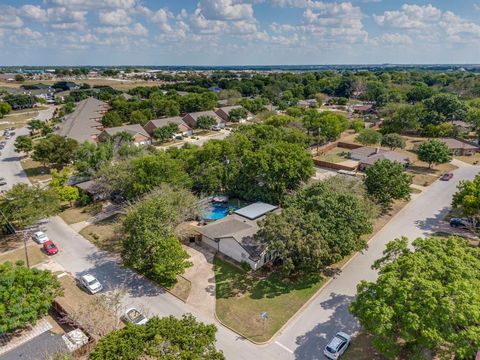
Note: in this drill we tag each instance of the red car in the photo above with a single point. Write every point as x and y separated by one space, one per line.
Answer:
446 176
50 248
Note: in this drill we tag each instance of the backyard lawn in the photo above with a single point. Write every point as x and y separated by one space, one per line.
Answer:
335 155
241 297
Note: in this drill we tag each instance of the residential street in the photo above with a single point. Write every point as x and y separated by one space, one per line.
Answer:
306 335
10 167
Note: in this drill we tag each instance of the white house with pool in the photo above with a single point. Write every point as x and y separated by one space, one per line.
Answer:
233 235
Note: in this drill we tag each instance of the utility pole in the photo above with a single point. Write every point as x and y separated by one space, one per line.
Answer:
11 229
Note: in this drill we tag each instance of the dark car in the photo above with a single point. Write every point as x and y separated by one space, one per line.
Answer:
50 248
446 176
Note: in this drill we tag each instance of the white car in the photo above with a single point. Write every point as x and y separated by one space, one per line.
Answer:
40 237
90 283
337 346
134 316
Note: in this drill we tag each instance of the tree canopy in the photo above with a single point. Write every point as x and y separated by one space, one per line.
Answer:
160 338
369 137
386 181
25 295
424 299
149 244
55 149
433 152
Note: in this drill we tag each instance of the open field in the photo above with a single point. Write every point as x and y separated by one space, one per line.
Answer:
35 255
17 120
122 85
241 297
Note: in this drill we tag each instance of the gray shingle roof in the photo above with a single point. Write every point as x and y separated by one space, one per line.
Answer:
132 129
84 123
165 121
211 113
457 144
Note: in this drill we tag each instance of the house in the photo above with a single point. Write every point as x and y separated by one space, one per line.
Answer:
191 118
387 155
154 124
364 109
367 156
233 235
224 113
92 188
139 134
308 103
85 123
459 148
462 126
66 85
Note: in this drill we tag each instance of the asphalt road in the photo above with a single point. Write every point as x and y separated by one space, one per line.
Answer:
306 335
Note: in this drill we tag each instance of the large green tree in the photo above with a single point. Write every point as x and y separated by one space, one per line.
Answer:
149 242
369 137
433 152
467 199
393 141
425 298
90 157
25 295
205 122
24 144
25 205
319 225
55 149
386 181
160 338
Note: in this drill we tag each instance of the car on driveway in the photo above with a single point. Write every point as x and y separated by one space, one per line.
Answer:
40 237
337 346
134 316
446 176
50 248
90 283
461 223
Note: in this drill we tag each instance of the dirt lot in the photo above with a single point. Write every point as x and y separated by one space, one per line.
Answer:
103 234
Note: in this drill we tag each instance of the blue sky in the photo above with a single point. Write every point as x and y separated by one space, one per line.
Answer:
238 32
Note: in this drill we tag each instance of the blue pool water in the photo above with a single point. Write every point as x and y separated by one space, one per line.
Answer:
216 211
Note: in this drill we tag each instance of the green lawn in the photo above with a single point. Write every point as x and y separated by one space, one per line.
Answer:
104 234
241 297
35 255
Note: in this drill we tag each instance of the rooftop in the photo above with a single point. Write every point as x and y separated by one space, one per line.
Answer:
255 210
457 144
132 129
169 120
84 124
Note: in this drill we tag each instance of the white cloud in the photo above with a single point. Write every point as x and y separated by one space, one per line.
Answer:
410 17
95 4
9 17
392 39
117 17
226 10
135 30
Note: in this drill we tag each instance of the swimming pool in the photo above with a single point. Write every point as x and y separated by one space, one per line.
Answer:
216 211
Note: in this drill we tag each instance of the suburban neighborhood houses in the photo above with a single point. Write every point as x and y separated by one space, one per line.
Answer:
239 180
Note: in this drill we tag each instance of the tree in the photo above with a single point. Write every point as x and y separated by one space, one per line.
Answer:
90 157
25 205
24 144
393 141
369 137
358 125
112 119
404 118
445 107
473 117
387 181
419 92
318 226
59 184
19 78
160 338
433 152
35 125
55 149
5 108
205 122
279 120
149 244
467 199
25 295
138 117
424 299
165 133
237 114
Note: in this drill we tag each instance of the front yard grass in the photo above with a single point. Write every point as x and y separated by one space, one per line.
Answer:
182 288
336 155
35 171
242 296
35 255
73 215
104 234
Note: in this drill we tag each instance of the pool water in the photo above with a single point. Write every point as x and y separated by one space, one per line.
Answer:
217 211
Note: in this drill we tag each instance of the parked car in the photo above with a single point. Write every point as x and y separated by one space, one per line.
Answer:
460 223
3 183
337 346
446 176
134 316
90 283
216 128
50 248
40 237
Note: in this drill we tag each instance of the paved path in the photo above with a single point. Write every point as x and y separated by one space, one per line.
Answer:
305 335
